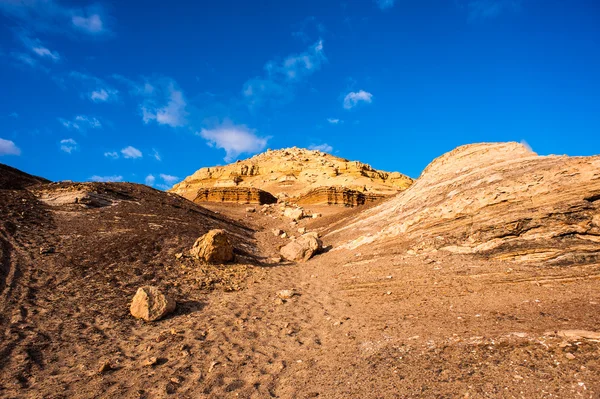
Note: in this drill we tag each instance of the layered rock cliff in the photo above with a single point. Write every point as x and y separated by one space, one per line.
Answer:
239 195
337 196
294 171
498 200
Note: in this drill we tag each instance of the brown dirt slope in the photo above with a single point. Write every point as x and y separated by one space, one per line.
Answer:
11 178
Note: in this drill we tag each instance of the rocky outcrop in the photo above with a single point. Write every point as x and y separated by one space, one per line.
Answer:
498 200
150 304
337 196
213 247
239 195
293 171
302 248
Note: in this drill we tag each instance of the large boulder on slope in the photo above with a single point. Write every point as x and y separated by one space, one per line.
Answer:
213 247
301 249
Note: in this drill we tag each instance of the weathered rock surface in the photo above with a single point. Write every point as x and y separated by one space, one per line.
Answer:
337 196
150 304
290 172
213 247
239 195
293 213
301 249
498 200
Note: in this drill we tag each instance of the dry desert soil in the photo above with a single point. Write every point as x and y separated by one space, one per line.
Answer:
384 320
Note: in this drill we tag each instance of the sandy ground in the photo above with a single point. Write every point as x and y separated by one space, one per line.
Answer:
378 322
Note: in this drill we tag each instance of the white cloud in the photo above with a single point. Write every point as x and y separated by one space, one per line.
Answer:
13 115
333 121
92 24
234 139
156 155
68 145
170 112
8 147
169 179
37 47
131 152
352 99
45 52
99 95
278 85
112 154
81 122
93 88
52 16
150 179
106 179
385 4
321 147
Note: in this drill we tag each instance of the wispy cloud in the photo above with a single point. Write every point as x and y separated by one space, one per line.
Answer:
281 76
166 105
8 147
169 179
150 180
352 99
385 4
13 115
106 179
68 145
37 47
94 88
321 147
308 30
131 152
234 139
24 59
486 9
81 123
53 16
112 154
333 121
156 155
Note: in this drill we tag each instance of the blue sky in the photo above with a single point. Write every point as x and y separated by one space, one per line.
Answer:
148 91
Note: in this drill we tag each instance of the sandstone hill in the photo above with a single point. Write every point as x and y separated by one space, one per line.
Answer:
291 172
498 200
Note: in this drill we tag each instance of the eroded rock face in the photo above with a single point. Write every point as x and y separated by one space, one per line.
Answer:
498 200
213 247
239 195
150 304
293 171
337 196
301 249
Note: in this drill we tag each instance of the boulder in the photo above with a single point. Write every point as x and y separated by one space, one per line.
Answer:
301 249
293 213
150 304
213 247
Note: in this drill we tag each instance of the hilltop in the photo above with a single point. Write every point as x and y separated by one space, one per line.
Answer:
293 172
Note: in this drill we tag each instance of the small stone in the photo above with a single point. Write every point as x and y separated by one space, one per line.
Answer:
570 356
286 294
151 361
283 235
302 230
277 232
250 210
316 215
104 367
179 255
46 250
